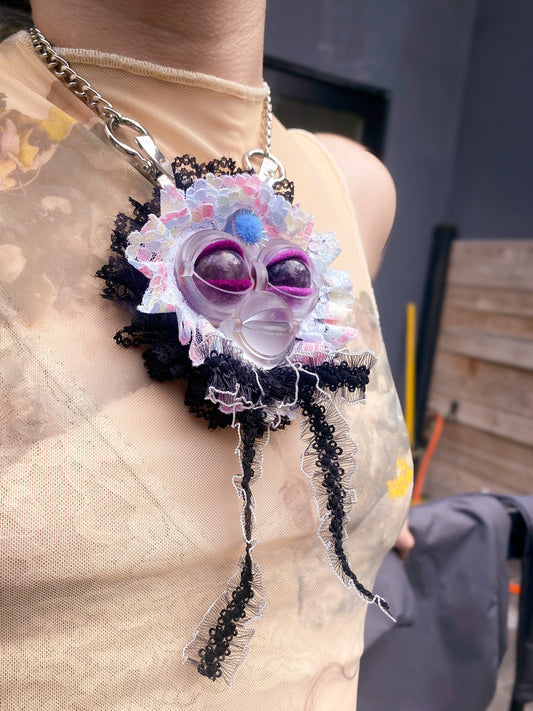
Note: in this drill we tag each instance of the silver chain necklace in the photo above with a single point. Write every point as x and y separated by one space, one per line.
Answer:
145 156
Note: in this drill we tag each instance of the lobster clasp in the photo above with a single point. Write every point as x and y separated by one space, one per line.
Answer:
147 157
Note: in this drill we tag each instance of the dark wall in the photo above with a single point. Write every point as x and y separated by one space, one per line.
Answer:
492 190
14 16
419 51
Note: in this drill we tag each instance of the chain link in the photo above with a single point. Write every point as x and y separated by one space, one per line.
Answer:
77 84
268 131
271 169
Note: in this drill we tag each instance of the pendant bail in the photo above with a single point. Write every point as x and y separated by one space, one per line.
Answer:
147 157
271 169
160 163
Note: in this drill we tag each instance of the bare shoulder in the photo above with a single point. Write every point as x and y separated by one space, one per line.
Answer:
372 191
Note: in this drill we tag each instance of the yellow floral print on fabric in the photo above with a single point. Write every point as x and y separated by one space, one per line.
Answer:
57 125
26 153
27 143
399 486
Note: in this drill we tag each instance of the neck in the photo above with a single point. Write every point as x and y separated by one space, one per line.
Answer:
222 38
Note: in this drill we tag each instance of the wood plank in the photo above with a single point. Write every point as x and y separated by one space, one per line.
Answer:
457 364
466 319
500 264
509 351
510 277
496 301
488 419
490 384
493 251
496 460
445 479
464 437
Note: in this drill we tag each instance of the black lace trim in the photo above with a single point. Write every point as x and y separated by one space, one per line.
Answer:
213 655
187 171
328 455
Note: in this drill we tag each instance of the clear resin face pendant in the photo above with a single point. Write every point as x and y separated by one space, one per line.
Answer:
230 288
234 259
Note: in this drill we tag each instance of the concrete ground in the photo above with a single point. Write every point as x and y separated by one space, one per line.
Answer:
502 698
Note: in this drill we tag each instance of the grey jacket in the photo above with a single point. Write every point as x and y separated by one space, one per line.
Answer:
450 598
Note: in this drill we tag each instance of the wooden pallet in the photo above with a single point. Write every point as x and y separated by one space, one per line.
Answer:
482 380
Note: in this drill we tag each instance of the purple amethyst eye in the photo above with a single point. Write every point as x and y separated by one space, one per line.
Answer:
289 273
222 265
214 274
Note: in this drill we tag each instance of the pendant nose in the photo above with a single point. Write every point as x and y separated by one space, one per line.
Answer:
260 275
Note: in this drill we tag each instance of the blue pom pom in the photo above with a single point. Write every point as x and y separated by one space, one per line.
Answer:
246 225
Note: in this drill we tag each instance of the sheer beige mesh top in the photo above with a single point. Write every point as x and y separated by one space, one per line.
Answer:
119 524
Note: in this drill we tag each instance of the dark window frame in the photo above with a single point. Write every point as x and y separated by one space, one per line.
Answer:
310 86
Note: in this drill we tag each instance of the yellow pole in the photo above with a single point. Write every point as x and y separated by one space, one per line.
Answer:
410 370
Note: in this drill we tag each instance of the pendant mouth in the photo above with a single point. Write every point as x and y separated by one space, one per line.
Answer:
264 328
